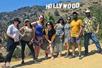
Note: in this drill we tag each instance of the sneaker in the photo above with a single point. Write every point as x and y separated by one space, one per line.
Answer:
35 61
52 58
46 57
72 56
57 54
86 54
8 65
99 51
36 58
80 56
66 56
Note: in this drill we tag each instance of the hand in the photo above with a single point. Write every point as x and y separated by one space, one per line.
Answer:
49 42
30 43
22 35
14 36
78 36
96 32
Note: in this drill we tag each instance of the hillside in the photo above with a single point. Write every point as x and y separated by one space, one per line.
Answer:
22 13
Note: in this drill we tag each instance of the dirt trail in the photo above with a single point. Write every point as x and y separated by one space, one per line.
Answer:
92 61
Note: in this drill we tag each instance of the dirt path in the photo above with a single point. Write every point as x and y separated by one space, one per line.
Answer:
92 61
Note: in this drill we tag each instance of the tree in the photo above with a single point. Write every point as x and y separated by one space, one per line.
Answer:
96 11
56 13
49 17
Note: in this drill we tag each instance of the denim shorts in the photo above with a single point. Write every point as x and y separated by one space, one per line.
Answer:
75 40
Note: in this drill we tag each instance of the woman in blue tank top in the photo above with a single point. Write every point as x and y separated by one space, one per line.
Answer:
39 29
38 38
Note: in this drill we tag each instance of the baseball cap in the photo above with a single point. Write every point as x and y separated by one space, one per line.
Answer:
26 20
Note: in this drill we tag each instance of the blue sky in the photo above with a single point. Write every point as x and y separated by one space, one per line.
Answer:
10 5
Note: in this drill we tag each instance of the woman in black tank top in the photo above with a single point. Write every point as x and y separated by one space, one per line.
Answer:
50 37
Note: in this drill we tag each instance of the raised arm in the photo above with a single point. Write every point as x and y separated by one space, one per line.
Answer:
97 30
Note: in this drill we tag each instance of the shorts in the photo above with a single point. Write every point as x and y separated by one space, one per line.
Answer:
46 44
66 40
38 41
75 40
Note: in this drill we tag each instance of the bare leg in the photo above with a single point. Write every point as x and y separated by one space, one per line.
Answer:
73 48
37 50
51 51
67 48
79 48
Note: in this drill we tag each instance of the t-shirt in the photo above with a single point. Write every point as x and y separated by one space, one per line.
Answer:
89 24
59 29
38 29
12 31
66 30
49 33
75 27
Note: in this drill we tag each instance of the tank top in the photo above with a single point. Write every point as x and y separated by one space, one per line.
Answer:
38 30
27 35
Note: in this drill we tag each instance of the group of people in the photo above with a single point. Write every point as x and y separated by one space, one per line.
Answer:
50 35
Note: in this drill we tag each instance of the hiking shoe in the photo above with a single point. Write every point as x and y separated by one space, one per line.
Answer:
46 57
35 61
52 58
86 54
99 51
66 56
80 56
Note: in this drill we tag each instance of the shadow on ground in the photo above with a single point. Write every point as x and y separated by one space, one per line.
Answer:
42 59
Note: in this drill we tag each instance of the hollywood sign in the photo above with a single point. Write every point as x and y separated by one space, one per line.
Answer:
63 5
